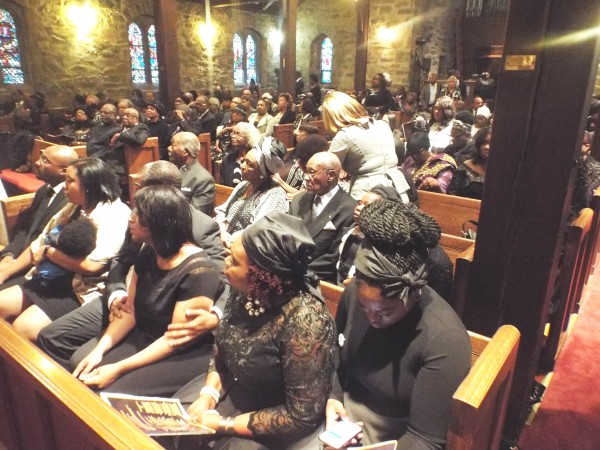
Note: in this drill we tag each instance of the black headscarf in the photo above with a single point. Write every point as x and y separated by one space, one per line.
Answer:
280 244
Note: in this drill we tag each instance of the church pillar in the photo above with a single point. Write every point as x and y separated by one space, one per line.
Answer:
165 13
288 47
362 44
549 67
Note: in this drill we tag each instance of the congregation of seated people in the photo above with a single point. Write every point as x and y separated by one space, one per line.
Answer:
220 306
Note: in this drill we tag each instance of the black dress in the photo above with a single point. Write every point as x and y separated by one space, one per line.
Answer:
277 366
157 292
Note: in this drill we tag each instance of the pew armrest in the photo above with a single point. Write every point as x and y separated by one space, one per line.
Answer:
11 208
479 403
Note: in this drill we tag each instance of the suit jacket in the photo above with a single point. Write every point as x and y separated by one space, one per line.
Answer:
198 186
32 221
425 93
208 124
338 212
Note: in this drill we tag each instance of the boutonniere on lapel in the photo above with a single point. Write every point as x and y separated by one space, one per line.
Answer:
329 225
341 340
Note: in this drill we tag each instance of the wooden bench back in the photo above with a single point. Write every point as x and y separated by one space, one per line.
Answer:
592 247
285 133
573 273
137 157
204 155
450 211
38 146
479 403
43 407
222 193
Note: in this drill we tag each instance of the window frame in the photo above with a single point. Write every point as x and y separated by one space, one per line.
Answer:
144 26
16 16
243 35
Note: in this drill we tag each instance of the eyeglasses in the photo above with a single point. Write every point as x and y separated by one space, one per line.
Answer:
313 173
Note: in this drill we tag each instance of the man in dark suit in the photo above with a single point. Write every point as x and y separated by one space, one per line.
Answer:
48 200
299 87
198 185
65 335
326 210
208 122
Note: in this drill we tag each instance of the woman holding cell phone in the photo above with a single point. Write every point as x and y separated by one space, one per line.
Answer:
403 350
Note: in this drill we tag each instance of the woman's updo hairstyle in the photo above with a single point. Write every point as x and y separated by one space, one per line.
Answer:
400 231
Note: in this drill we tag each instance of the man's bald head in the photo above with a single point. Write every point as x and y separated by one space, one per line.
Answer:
53 163
322 173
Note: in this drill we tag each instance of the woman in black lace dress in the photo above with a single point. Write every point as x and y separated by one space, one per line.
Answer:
273 359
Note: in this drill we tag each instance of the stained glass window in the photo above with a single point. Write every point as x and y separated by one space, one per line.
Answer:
250 59
238 60
10 55
153 55
136 50
326 60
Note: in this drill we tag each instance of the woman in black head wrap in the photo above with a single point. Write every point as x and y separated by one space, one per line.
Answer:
271 371
403 350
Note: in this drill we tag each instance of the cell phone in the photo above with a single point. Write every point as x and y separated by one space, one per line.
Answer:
340 434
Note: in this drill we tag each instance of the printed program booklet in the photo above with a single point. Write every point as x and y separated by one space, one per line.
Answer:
155 416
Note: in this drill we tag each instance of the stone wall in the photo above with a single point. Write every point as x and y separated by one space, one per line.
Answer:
335 19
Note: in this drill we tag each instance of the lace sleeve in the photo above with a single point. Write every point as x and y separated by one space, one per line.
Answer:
306 344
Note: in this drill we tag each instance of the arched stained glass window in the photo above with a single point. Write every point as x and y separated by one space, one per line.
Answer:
250 59
10 54
238 60
153 55
326 60
136 50
246 55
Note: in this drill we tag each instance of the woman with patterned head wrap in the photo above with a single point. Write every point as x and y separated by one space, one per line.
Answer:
270 375
404 351
257 194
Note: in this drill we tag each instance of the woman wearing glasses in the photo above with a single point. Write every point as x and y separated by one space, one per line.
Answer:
403 350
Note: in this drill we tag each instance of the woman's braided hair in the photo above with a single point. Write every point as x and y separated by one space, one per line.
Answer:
400 231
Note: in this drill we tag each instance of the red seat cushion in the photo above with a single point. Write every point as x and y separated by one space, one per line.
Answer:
25 182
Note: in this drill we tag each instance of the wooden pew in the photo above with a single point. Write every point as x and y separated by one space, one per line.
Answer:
592 247
285 133
455 246
137 157
449 211
204 155
222 193
479 403
570 285
43 407
11 208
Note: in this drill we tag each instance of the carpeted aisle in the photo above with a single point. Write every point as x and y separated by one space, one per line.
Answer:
569 415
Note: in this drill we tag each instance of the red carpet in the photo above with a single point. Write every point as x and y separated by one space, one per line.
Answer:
569 415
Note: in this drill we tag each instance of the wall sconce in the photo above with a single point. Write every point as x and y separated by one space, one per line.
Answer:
387 35
275 38
206 32
84 19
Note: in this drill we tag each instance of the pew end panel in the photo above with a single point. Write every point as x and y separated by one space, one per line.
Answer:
137 157
44 407
11 208
454 246
462 272
449 211
204 155
7 124
479 403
